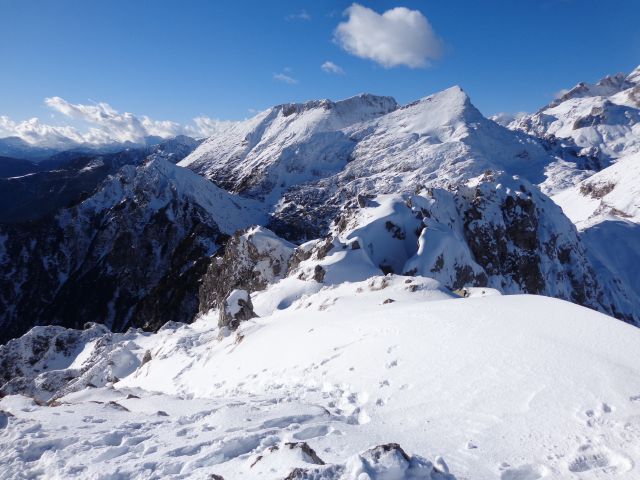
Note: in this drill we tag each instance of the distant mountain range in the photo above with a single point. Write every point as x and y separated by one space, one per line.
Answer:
432 188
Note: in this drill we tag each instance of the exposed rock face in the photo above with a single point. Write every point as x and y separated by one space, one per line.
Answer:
236 308
380 462
302 450
252 259
131 254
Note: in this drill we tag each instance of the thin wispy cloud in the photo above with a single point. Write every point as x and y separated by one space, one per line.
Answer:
396 37
103 125
330 67
284 78
301 15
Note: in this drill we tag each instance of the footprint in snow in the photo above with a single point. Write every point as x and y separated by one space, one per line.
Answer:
591 458
598 416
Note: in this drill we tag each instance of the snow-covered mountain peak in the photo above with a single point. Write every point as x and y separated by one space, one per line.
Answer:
286 145
607 86
440 111
359 107
634 77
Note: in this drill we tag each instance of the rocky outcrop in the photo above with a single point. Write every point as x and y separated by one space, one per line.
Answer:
388 461
252 259
497 231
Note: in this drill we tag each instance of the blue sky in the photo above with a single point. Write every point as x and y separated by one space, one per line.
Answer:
174 60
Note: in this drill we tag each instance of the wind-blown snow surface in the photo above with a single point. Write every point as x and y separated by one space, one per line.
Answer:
511 387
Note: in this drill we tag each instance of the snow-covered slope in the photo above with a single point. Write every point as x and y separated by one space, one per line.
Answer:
612 192
285 145
600 122
510 387
365 142
336 345
606 209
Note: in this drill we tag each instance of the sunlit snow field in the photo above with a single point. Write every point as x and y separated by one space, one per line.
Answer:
511 387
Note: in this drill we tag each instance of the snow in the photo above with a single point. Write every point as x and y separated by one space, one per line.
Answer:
92 165
157 182
286 145
601 120
620 187
510 387
365 143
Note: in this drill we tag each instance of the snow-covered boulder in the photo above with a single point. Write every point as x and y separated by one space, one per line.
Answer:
236 308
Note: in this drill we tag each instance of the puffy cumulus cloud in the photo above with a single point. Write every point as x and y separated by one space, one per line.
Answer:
37 133
396 37
284 78
120 127
330 67
104 125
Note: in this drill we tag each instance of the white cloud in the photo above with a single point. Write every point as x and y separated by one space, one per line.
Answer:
102 125
301 15
281 77
205 126
397 37
560 93
330 67
34 132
